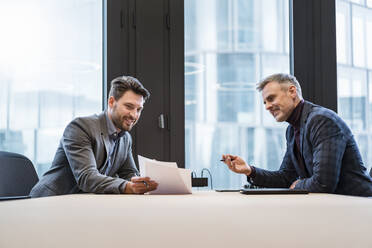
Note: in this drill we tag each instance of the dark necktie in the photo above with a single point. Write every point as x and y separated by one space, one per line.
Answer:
112 155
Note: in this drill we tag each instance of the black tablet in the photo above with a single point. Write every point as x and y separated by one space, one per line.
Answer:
227 190
5 198
272 191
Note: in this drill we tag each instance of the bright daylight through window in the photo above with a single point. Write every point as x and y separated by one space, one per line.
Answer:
354 70
229 46
50 72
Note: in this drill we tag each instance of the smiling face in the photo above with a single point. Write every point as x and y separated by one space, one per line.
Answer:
126 111
280 99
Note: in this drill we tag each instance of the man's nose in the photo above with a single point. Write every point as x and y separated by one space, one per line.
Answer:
133 114
268 106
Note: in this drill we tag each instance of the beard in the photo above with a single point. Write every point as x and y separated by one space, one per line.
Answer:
120 120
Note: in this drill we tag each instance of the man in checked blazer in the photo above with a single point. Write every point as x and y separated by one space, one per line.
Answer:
95 153
322 155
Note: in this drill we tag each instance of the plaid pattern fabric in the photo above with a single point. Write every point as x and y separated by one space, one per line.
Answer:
331 157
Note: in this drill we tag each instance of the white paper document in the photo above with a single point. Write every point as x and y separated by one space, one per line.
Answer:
171 179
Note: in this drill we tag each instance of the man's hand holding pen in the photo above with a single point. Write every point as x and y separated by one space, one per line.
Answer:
140 185
236 164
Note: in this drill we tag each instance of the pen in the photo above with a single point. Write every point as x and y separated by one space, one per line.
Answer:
223 160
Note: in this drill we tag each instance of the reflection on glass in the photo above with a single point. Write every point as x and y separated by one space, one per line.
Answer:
229 46
50 72
354 59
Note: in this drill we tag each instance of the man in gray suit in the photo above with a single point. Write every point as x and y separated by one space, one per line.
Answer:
95 153
322 155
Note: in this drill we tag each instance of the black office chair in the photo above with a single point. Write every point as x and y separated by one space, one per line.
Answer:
17 175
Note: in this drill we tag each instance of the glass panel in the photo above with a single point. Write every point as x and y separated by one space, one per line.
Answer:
369 106
358 31
50 72
357 1
343 32
369 41
354 76
229 46
369 3
362 36
352 97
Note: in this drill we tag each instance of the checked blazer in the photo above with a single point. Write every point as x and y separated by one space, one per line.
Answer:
331 157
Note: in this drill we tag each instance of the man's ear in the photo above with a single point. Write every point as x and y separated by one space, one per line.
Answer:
111 101
292 90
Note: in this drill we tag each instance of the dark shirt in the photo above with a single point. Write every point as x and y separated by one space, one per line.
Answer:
114 135
295 120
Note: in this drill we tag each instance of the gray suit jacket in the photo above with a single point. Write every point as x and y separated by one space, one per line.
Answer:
82 151
331 157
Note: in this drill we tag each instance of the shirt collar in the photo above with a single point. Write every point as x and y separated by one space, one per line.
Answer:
111 129
295 117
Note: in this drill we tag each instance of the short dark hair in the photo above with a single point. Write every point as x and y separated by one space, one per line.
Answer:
122 84
282 79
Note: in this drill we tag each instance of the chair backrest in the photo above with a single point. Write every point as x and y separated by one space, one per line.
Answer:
17 175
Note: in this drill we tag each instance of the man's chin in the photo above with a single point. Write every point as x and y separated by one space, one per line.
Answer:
279 118
126 128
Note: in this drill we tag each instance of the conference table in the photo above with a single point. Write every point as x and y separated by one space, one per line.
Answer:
200 219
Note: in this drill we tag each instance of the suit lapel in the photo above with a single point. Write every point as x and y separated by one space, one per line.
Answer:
304 116
106 141
104 133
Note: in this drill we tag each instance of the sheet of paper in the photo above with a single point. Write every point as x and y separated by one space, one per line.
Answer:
171 179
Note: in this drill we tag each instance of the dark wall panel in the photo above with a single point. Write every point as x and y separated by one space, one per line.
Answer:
152 70
314 48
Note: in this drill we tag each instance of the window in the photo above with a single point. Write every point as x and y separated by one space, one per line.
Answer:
50 72
229 46
354 70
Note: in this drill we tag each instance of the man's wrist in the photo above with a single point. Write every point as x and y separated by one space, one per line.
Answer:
251 171
128 188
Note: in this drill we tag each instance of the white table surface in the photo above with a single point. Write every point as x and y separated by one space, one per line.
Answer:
202 219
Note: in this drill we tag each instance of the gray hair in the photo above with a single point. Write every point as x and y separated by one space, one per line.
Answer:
282 79
122 84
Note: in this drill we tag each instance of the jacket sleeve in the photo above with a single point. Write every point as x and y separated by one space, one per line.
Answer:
281 178
328 144
77 144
